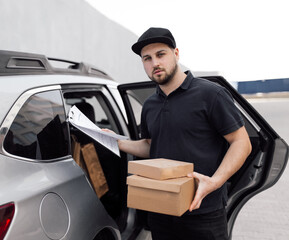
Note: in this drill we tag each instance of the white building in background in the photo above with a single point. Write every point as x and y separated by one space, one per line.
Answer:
72 30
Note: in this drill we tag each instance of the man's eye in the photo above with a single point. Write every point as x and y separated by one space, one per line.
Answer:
160 54
146 58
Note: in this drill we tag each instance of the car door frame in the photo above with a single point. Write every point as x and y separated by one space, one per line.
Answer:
263 170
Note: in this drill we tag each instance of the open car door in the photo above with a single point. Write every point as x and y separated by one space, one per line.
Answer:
263 167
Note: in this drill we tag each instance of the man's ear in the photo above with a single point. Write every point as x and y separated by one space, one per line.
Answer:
177 53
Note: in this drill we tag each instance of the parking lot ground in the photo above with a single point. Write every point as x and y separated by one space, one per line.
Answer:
266 216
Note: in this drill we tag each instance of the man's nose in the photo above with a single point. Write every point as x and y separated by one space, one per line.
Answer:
155 62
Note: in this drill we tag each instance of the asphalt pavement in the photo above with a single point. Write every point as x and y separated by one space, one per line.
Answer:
265 216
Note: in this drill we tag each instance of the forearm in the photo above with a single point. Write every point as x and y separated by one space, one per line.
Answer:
139 148
233 160
240 148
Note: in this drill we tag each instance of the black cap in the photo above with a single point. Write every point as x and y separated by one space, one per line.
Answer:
154 35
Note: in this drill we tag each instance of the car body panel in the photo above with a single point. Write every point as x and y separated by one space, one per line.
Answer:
28 182
32 181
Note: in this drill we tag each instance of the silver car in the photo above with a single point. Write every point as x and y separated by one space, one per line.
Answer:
58 183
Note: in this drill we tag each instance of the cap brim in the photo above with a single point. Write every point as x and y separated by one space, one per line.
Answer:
137 47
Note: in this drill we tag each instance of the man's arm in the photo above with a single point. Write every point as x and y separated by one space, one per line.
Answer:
240 148
139 148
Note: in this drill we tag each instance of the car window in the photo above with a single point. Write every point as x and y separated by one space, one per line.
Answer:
137 107
39 130
137 98
93 105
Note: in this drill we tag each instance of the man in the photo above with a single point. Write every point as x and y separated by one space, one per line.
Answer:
194 120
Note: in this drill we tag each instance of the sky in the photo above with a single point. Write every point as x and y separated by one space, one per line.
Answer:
241 39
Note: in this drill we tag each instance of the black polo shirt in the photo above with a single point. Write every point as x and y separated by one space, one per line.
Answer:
189 125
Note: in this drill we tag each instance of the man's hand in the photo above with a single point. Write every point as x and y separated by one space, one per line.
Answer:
139 148
204 185
107 130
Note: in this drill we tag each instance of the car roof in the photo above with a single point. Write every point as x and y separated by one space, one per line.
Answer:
20 63
20 72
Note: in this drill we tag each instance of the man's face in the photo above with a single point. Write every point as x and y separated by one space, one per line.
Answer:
160 62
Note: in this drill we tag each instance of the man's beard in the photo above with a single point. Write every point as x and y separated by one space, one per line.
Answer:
167 78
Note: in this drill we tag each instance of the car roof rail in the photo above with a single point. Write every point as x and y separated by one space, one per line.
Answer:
20 63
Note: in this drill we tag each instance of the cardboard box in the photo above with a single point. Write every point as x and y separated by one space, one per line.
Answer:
160 168
171 196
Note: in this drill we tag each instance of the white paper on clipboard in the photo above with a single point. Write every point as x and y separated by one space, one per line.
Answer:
80 121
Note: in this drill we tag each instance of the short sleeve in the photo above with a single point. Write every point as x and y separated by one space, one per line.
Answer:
224 115
143 128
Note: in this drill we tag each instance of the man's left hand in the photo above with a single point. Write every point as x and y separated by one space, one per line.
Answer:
204 185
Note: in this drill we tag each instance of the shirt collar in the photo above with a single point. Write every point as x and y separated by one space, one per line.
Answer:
185 85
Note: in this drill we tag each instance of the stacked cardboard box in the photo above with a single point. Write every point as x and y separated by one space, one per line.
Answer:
160 185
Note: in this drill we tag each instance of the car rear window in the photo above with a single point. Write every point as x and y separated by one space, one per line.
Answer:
39 130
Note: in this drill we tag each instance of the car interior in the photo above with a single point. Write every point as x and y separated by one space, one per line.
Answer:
111 172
